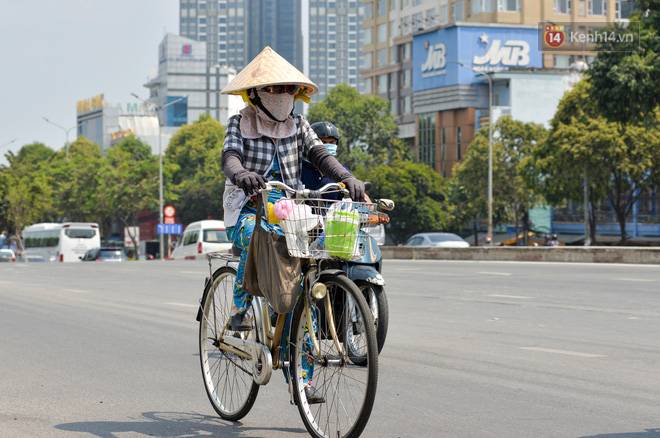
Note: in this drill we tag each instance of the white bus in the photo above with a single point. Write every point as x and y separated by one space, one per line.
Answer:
66 242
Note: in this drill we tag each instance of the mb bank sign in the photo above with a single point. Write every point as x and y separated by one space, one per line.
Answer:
486 49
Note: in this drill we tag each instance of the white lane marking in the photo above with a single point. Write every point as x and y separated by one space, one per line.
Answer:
191 272
568 353
509 296
77 291
182 304
635 279
494 273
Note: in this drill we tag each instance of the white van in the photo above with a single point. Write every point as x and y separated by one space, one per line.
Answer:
201 238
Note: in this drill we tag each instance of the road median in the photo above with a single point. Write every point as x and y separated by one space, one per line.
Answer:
591 254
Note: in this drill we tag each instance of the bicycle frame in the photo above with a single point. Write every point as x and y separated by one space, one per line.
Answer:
265 343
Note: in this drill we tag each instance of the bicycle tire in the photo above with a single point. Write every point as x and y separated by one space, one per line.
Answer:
349 389
227 377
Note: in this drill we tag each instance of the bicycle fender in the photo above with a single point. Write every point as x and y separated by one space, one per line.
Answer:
203 300
331 272
365 273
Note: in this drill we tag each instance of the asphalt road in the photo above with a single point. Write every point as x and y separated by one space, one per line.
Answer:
475 349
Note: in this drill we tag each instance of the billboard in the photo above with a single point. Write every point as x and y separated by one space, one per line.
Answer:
487 49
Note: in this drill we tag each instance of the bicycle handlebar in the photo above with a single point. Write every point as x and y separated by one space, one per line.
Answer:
306 193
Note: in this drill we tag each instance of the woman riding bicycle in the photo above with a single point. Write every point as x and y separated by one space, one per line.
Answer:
265 142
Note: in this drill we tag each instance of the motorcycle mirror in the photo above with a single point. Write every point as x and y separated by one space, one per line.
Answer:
386 204
367 185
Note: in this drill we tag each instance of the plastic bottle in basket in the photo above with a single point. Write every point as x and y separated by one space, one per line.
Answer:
317 247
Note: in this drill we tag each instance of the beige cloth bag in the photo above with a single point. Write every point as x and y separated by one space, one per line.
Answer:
270 271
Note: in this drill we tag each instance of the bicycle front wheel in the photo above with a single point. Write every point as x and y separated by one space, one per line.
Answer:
227 376
348 389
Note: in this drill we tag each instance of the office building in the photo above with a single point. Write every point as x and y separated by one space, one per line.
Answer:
183 73
393 70
323 39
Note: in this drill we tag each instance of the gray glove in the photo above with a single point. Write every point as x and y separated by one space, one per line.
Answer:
250 182
355 187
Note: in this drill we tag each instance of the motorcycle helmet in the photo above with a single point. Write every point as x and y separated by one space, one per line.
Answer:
326 130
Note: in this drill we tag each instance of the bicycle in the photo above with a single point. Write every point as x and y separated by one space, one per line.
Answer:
235 364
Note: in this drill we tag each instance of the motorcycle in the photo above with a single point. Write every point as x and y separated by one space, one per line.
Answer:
366 274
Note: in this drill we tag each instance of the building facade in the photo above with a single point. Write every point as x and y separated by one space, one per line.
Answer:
390 26
185 86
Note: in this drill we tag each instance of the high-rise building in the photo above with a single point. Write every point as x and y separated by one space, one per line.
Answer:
323 39
188 85
235 31
437 111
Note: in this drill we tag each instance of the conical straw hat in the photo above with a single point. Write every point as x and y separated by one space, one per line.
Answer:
268 68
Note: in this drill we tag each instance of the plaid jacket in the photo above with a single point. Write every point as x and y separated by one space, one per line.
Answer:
257 155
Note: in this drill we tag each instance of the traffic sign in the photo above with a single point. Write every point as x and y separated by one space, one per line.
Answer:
170 228
169 211
169 220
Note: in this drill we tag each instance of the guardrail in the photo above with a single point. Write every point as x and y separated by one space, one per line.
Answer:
591 254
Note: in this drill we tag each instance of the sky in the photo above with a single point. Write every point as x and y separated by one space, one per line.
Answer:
57 52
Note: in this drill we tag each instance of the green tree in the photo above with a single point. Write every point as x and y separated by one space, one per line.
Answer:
76 181
621 159
366 124
513 142
196 172
418 192
626 73
25 191
131 182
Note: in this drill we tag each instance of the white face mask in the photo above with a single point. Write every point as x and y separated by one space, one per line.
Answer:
279 105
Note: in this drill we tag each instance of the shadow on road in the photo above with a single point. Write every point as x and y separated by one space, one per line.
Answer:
648 433
173 425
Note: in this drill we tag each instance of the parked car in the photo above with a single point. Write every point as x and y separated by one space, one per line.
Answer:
111 254
443 240
200 238
7 255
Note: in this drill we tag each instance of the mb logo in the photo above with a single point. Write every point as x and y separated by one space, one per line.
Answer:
512 53
554 36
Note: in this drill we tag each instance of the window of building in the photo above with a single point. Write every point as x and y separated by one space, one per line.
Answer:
382 8
457 11
444 14
382 84
417 22
443 144
392 78
407 78
367 11
598 7
510 5
367 86
407 104
624 9
430 17
479 6
562 6
368 60
392 28
382 57
459 155
426 136
393 107
382 33
367 36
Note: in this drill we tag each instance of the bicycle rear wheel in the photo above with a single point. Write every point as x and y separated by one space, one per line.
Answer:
227 377
349 389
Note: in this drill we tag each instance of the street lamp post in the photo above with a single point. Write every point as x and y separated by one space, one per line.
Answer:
490 145
159 110
66 131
